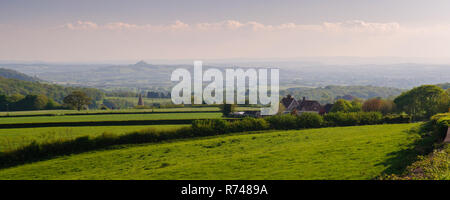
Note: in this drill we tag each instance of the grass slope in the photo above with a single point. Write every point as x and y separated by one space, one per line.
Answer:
362 152
17 137
112 117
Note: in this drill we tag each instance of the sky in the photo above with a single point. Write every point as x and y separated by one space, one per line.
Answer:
112 30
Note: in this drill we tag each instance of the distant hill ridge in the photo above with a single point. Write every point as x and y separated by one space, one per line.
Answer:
9 73
10 86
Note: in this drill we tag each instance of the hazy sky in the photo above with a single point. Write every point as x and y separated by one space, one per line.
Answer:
108 30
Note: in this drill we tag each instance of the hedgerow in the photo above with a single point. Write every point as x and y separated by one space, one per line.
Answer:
436 165
209 127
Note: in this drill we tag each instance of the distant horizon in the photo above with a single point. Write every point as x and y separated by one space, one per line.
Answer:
322 60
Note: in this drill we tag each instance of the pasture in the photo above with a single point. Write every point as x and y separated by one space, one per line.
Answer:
147 101
121 111
359 152
106 117
13 138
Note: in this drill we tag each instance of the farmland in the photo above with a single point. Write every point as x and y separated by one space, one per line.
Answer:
121 111
360 152
111 117
71 112
13 138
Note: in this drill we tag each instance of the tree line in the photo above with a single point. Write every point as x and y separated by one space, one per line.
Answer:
420 103
57 93
17 102
331 93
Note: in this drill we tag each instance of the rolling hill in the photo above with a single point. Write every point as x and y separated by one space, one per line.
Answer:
148 76
363 152
9 73
10 86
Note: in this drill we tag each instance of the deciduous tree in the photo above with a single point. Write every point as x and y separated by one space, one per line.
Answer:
77 99
423 102
226 109
341 105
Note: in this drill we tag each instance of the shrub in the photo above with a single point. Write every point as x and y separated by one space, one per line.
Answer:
283 122
353 119
219 126
340 119
52 105
209 127
310 120
369 118
440 123
250 124
397 118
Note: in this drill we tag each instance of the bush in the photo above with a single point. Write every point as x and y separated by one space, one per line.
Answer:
219 126
209 127
248 124
397 118
353 119
283 122
440 124
370 118
340 119
310 120
52 105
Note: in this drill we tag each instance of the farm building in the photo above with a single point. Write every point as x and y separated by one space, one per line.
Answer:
304 105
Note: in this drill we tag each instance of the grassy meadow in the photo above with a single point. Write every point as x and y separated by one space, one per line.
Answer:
360 152
154 110
68 112
147 101
106 117
13 138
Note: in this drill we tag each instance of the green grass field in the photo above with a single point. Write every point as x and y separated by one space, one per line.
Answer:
360 152
63 112
147 101
13 138
112 117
